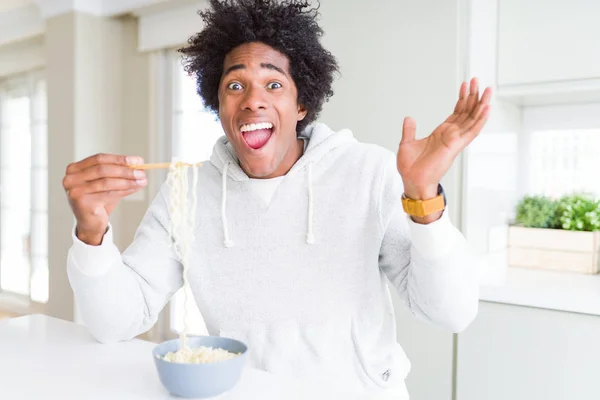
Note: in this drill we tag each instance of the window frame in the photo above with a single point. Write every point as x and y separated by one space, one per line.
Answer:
10 301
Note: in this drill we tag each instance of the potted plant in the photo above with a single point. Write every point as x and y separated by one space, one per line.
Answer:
562 234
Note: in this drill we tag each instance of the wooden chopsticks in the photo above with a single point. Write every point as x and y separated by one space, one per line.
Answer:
162 165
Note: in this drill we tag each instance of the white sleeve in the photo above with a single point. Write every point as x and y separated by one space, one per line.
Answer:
121 296
430 265
92 260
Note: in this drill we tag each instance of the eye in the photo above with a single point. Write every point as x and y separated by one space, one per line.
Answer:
274 85
234 86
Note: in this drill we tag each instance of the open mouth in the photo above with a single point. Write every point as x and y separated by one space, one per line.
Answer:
257 135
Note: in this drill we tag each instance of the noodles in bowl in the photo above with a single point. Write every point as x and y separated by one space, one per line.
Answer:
193 366
200 355
195 377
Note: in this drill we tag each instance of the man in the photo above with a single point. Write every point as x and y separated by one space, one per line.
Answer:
298 227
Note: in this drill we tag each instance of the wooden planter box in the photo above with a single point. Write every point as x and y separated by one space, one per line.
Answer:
554 249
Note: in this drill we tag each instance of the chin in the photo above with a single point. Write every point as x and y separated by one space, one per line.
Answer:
258 169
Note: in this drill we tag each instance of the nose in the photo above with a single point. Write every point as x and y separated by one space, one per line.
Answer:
254 99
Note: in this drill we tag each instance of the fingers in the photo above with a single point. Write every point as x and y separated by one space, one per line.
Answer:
470 103
100 171
96 184
461 104
123 193
105 185
100 159
95 202
409 130
469 108
473 98
471 133
103 173
486 98
474 121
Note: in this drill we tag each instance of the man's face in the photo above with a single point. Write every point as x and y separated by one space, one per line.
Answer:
258 109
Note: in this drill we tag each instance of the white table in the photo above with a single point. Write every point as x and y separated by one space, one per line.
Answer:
47 358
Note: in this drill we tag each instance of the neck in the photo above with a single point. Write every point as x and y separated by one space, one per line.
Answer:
290 158
293 155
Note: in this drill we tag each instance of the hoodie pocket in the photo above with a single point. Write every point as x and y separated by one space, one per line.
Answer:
327 354
386 369
253 340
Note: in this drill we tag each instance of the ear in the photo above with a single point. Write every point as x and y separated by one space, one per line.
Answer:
301 112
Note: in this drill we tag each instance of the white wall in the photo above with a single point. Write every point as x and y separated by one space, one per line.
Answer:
20 22
23 56
61 151
397 59
135 124
170 27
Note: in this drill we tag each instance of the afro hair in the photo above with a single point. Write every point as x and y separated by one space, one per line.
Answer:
288 26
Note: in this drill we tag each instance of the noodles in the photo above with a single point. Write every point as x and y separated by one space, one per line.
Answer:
201 355
181 230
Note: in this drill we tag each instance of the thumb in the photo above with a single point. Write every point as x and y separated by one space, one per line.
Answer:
409 130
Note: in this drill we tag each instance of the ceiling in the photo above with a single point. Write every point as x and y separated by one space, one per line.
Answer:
6 5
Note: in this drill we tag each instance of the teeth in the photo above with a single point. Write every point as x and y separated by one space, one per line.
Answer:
254 127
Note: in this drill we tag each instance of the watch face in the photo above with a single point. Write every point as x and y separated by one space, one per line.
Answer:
442 193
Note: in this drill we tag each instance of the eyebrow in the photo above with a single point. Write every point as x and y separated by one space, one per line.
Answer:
262 65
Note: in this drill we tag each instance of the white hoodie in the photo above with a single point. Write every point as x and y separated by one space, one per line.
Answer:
302 278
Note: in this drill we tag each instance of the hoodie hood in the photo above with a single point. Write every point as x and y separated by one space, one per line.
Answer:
321 140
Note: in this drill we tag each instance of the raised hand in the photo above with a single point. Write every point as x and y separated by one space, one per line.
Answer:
422 163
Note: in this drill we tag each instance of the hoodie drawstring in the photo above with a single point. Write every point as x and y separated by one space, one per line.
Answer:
226 240
310 237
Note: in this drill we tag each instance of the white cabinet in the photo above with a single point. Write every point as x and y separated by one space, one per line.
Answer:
519 353
548 41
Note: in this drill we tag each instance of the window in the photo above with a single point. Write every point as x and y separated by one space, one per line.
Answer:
560 150
195 131
24 188
532 150
564 161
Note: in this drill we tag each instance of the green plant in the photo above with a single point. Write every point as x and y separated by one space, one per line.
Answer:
575 212
537 212
578 212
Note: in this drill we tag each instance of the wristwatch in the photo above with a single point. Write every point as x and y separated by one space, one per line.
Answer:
422 208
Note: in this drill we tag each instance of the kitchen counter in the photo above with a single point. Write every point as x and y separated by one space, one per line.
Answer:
561 291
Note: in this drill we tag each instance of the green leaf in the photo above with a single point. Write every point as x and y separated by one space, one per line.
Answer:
537 212
579 212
